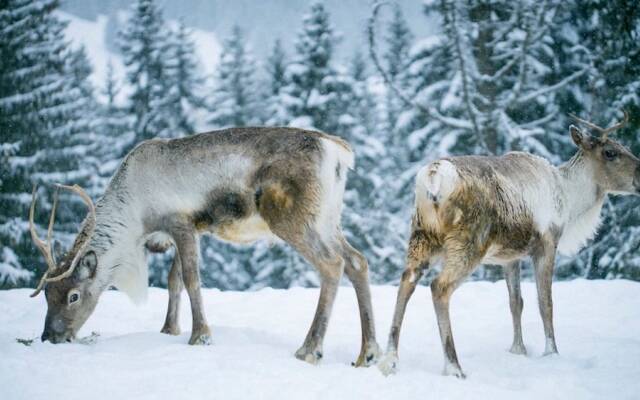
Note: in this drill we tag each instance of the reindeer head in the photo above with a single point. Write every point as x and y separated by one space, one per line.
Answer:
69 284
616 169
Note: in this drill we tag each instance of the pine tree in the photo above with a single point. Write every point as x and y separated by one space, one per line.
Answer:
45 120
144 46
184 82
275 98
609 31
318 93
116 131
363 102
368 223
398 42
236 95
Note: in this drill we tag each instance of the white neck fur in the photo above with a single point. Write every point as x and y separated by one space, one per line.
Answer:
582 203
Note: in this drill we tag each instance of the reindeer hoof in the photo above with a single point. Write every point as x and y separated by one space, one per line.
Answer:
518 348
388 364
173 330
368 356
550 348
454 370
313 357
201 337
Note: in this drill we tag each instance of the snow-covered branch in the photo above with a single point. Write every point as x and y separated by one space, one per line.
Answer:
429 111
552 88
465 78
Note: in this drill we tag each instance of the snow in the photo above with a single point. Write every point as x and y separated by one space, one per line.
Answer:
256 333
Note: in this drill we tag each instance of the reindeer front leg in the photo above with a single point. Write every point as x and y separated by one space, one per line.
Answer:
172 323
187 249
544 256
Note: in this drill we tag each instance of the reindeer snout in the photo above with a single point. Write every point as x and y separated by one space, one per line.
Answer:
636 179
54 330
54 337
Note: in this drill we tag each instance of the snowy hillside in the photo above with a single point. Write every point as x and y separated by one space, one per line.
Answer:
256 333
93 36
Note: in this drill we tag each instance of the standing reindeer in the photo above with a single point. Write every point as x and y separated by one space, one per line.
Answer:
239 184
496 210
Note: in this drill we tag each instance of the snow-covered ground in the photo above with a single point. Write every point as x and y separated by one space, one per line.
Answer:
255 334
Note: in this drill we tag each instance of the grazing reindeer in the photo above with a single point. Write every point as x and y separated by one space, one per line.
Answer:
240 184
495 210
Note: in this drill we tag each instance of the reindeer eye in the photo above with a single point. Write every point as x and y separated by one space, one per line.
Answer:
610 154
73 297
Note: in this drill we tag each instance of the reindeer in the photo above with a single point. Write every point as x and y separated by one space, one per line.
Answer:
475 210
239 184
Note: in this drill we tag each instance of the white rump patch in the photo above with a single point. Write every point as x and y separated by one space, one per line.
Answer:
434 184
439 179
336 160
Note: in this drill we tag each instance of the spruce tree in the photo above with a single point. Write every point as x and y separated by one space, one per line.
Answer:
144 47
236 95
609 31
318 93
115 128
45 120
184 82
398 40
275 97
367 219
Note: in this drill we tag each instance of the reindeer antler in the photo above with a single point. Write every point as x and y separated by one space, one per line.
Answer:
92 216
604 131
45 247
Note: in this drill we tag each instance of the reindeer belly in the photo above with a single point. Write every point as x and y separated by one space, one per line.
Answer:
245 230
499 255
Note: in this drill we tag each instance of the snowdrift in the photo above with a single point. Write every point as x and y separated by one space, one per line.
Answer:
256 333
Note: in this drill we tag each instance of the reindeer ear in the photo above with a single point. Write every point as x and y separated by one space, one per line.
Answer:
577 136
88 265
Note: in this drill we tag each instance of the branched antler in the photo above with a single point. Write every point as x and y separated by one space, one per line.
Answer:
45 246
603 131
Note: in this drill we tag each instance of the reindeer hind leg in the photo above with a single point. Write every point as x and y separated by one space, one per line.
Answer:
172 323
422 247
512 277
460 260
330 266
357 270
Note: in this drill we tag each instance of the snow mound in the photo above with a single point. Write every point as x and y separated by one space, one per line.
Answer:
256 333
